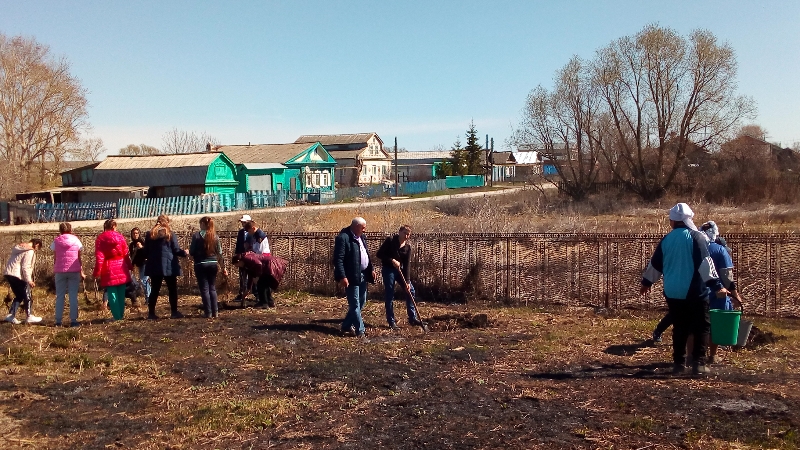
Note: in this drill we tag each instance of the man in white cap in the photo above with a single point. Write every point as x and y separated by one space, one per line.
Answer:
241 238
683 260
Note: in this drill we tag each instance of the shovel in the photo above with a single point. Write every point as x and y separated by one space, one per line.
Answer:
413 301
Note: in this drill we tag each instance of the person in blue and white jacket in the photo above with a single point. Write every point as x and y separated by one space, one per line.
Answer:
721 256
683 260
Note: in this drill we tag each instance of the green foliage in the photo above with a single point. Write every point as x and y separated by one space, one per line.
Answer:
63 339
473 152
465 160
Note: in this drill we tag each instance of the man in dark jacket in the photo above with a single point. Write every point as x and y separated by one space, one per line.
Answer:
683 260
395 255
352 269
241 239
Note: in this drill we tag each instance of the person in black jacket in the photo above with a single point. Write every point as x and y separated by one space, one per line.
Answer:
163 265
139 259
352 269
241 240
395 255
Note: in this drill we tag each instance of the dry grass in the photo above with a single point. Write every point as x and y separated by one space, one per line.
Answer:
535 377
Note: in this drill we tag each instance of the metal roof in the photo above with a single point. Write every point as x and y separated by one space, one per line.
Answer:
263 153
526 157
502 158
118 162
259 166
89 189
154 170
337 139
437 156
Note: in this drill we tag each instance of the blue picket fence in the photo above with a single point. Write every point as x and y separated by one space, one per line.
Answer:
421 187
68 212
203 204
128 208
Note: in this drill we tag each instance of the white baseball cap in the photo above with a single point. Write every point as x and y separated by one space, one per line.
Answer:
682 213
245 218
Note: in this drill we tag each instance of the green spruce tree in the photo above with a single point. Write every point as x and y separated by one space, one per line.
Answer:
473 152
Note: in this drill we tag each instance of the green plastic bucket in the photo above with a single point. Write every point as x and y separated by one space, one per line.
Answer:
724 326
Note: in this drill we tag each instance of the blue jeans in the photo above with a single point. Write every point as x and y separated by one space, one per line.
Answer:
207 283
390 276
356 299
67 282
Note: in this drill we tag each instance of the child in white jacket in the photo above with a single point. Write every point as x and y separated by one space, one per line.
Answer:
19 274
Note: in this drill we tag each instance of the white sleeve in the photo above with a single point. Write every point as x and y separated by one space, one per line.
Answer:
265 246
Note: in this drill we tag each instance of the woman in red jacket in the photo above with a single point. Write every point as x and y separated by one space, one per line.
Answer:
113 266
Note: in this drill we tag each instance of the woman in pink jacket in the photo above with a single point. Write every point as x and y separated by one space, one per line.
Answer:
113 266
68 270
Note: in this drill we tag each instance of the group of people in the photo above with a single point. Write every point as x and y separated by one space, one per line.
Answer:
696 267
153 258
698 276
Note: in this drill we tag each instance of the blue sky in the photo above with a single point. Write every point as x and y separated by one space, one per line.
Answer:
269 71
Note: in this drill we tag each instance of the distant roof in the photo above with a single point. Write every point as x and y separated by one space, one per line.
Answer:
155 170
81 167
502 158
526 157
118 162
345 154
336 139
57 190
257 166
263 153
421 155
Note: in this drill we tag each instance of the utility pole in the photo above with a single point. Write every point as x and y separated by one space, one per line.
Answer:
396 173
491 165
488 161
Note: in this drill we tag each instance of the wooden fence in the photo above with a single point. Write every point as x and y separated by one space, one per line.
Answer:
602 270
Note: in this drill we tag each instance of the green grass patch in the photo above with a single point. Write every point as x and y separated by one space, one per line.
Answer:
23 357
64 339
234 415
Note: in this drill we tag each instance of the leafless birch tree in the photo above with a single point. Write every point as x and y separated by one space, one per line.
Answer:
664 93
561 125
42 111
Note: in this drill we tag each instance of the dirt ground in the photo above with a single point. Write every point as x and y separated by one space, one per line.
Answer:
516 378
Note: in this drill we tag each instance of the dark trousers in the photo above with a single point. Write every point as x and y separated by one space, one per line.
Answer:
662 326
243 280
155 289
689 316
264 292
19 288
207 282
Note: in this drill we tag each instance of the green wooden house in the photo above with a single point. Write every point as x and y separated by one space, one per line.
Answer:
170 175
299 168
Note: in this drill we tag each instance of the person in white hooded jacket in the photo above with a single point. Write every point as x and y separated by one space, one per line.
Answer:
19 274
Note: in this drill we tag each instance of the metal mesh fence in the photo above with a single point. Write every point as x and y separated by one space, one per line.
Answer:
601 270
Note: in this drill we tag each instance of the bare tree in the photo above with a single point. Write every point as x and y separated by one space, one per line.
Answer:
88 149
179 141
42 109
664 93
139 150
753 130
561 125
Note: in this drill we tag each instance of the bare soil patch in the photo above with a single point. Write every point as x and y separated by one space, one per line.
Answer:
483 377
